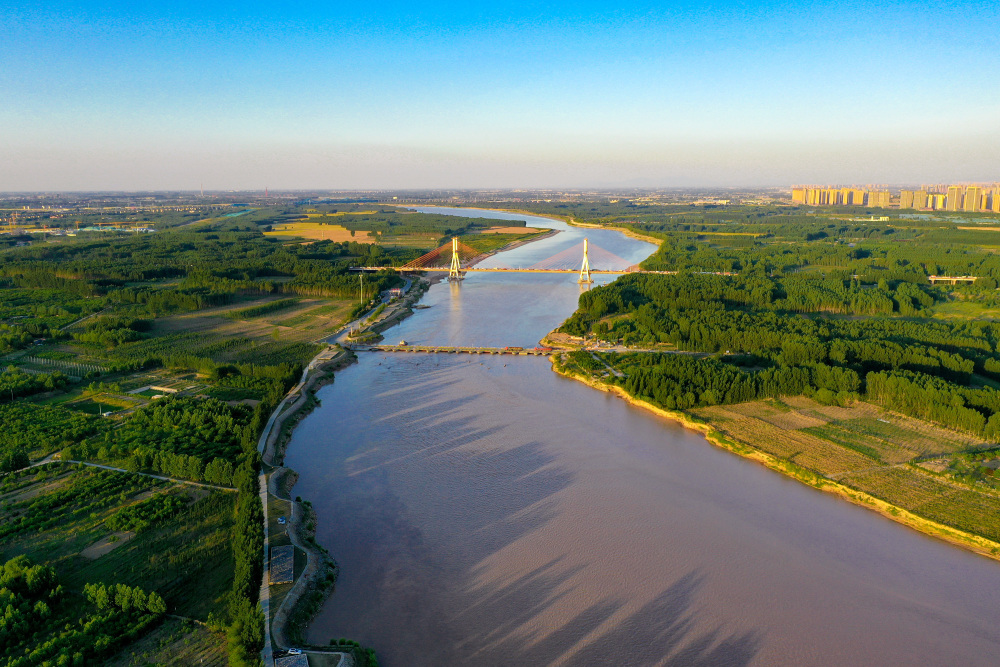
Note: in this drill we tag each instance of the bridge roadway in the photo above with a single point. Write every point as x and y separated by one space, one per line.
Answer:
445 269
436 349
614 272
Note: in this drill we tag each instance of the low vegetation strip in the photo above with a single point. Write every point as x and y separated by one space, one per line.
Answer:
262 309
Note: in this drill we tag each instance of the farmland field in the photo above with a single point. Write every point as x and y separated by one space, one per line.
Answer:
866 448
54 515
174 642
316 231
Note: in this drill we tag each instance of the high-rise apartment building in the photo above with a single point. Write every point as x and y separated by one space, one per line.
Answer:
954 198
878 199
972 198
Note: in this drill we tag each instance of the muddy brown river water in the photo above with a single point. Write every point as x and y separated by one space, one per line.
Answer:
485 511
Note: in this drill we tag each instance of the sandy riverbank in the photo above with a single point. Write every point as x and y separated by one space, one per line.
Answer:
975 543
573 222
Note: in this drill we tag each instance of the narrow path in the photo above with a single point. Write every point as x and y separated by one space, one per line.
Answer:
51 459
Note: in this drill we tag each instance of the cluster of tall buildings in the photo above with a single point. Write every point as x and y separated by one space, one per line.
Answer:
841 197
972 198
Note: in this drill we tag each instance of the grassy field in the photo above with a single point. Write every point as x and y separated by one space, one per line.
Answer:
174 642
308 320
965 310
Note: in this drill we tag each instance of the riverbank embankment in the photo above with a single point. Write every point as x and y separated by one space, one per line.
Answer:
317 579
747 450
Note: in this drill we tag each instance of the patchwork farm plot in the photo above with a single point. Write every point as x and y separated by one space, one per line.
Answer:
868 449
100 526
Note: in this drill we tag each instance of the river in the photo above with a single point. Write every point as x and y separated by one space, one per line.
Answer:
486 511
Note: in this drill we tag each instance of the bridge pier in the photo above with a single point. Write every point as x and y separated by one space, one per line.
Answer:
455 270
585 268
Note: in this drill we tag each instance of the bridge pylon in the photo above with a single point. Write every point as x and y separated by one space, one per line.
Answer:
455 269
585 267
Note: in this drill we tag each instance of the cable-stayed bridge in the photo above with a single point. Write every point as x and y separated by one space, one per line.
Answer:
457 259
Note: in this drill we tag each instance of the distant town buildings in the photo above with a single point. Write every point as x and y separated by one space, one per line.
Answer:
970 198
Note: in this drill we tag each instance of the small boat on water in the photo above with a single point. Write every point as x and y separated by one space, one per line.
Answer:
403 342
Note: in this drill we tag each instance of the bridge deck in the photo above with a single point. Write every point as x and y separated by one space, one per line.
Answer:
616 272
473 269
442 349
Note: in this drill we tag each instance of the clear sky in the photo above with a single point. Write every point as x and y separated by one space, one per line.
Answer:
428 94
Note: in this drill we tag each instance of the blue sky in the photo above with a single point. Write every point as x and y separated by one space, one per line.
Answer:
337 95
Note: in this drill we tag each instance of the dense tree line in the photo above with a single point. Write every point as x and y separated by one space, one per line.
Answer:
677 381
693 313
15 383
42 625
975 410
770 344
184 437
112 331
31 429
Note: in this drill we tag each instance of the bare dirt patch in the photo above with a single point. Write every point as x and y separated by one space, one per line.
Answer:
252 402
139 497
937 465
196 493
34 490
106 545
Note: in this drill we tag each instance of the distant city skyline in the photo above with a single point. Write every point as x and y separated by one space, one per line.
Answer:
113 97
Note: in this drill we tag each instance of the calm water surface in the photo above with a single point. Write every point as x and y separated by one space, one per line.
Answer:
486 511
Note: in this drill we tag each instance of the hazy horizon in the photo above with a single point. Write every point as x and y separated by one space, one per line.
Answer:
104 97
